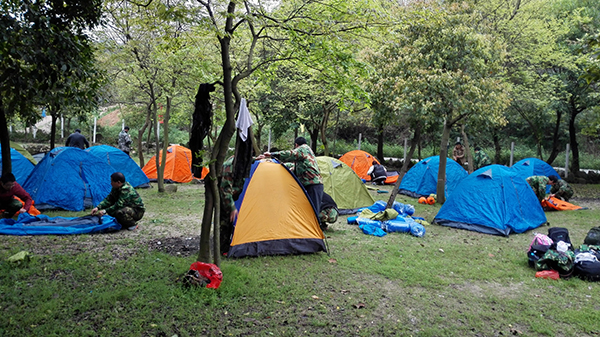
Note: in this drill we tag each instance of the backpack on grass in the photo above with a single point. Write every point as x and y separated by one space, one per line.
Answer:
559 234
537 248
593 237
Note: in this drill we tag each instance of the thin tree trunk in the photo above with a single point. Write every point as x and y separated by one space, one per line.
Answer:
380 143
5 140
413 145
555 150
141 135
574 167
467 148
53 129
441 182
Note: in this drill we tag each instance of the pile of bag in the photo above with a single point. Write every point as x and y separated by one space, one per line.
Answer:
553 255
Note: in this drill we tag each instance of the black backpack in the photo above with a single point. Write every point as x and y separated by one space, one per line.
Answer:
535 253
593 237
559 234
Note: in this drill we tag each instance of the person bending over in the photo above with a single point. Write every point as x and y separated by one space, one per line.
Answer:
123 203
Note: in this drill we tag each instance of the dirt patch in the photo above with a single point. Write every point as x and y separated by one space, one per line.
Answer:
110 118
175 246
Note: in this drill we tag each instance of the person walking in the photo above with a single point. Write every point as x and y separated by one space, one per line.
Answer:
125 140
76 139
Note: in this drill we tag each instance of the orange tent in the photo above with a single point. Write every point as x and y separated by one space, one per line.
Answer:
360 162
178 167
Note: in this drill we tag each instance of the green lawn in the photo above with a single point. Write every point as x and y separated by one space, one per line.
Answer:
448 283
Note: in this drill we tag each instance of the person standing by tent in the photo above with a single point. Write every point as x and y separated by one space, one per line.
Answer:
538 184
230 189
125 140
123 203
329 211
378 173
560 189
305 168
481 158
458 153
76 139
9 189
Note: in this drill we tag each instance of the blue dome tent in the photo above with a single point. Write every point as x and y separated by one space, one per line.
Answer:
69 178
421 179
121 162
534 167
21 166
492 200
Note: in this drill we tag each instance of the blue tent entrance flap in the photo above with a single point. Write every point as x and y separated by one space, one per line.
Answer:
492 200
275 215
66 178
43 225
121 162
421 179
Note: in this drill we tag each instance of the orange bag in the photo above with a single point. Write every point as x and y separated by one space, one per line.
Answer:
548 274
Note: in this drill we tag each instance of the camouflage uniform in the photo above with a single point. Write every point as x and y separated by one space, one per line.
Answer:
481 159
562 190
124 204
458 154
538 184
329 215
230 190
124 142
306 169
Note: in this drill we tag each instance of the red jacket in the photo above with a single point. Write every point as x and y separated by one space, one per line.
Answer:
17 190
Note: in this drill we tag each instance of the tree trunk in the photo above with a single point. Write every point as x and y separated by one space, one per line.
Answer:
53 129
141 135
165 139
314 138
441 182
160 178
5 140
497 148
573 139
555 150
467 148
380 143
413 145
323 128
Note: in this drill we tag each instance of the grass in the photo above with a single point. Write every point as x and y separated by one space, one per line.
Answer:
448 283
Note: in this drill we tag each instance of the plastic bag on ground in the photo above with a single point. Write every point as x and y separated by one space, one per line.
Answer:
208 271
548 274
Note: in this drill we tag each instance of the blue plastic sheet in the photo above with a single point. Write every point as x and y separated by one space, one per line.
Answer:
44 225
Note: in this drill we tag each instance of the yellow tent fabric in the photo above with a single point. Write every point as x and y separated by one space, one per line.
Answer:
178 167
360 162
275 216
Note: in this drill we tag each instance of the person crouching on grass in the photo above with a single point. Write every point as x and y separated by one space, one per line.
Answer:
123 203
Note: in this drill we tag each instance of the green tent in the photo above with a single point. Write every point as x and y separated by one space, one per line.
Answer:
343 185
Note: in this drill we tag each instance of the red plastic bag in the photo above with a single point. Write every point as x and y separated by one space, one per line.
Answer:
548 274
210 272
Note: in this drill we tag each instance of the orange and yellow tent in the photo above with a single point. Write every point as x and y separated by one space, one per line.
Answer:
360 162
178 166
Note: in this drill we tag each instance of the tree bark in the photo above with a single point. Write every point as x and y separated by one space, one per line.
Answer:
141 135
573 135
380 143
5 140
441 183
467 148
413 145
555 150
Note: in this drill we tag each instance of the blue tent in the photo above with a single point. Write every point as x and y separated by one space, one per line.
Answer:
534 167
421 179
21 166
69 178
492 200
121 162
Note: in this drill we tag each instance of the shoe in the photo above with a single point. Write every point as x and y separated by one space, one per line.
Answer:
132 228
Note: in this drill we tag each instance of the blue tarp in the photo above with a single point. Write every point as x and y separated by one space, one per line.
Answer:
21 166
421 179
492 200
43 225
121 162
534 167
69 178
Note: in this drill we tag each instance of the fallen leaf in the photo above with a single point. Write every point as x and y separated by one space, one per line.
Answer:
359 305
441 250
491 255
332 261
280 302
315 297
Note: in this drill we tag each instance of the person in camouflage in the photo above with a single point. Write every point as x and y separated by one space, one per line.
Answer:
125 140
305 168
230 189
560 189
458 153
123 203
538 184
481 159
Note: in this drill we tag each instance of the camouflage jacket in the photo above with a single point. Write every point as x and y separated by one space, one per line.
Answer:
230 189
306 168
562 189
481 159
126 196
124 141
538 184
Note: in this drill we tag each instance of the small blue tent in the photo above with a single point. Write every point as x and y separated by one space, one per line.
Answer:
69 178
534 167
121 162
421 179
492 200
21 166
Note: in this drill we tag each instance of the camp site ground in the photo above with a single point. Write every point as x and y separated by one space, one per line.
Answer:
448 283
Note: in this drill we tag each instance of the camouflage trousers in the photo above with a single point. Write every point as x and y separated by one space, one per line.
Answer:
127 216
10 207
329 215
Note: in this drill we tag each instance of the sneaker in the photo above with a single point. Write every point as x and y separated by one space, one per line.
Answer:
132 228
